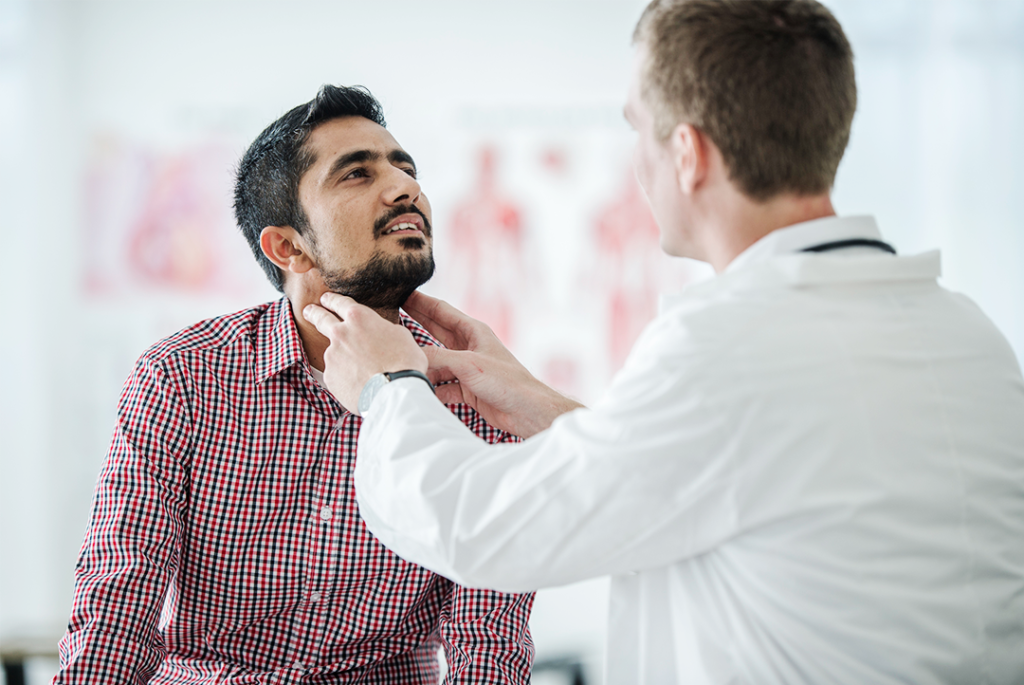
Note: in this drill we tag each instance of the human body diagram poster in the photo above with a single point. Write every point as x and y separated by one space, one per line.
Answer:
544 234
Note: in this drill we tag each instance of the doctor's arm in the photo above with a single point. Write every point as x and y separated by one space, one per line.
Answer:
601 492
635 483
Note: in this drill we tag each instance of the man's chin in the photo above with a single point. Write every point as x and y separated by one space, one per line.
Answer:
385 283
391 299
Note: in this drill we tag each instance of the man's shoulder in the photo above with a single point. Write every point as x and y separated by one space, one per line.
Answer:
211 334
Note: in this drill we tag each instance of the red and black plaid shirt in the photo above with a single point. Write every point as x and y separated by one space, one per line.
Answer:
226 545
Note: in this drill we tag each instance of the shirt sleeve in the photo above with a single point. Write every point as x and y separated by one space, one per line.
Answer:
132 543
486 637
642 480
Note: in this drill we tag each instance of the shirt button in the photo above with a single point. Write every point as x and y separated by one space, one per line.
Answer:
326 513
314 597
297 665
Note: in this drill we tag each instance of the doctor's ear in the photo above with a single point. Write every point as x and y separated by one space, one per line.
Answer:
689 149
286 249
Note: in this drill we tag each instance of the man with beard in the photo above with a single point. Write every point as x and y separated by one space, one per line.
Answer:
225 544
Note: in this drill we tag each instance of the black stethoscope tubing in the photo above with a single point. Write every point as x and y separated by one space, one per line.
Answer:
853 242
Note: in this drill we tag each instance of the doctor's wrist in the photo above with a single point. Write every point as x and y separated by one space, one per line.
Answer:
377 382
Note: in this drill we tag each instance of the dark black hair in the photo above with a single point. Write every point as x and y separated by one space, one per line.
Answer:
267 183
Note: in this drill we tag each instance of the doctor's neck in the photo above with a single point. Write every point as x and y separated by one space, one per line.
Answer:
736 221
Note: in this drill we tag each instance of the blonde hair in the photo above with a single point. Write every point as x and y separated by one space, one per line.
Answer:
770 82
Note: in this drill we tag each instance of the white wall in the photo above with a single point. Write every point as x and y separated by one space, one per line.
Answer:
86 87
38 181
937 150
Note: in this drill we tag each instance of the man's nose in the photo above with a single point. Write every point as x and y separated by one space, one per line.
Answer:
401 187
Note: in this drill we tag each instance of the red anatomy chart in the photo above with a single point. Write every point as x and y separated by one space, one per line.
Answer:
161 221
166 243
490 278
487 246
630 266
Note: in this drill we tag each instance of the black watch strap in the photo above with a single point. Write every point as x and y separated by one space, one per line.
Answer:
378 381
410 373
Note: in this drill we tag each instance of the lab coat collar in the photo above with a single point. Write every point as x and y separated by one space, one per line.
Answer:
777 261
805 234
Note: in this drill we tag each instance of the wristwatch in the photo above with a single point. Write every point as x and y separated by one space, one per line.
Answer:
379 380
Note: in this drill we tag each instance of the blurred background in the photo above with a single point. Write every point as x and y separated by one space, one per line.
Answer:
121 123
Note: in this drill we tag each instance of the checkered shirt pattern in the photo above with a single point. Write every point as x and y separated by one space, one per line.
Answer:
226 546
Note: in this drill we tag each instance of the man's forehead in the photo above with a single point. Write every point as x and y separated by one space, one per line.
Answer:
347 134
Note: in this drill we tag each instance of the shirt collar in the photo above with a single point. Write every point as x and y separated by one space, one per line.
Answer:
278 345
805 234
276 342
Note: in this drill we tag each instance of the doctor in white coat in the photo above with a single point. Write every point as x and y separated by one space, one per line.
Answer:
810 469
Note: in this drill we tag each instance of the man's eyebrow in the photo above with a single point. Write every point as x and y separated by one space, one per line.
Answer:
363 156
348 159
401 156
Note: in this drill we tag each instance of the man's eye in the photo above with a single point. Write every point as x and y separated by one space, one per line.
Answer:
356 173
411 171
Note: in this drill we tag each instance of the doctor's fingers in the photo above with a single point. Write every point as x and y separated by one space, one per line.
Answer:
345 307
451 393
325 320
342 333
443 363
454 329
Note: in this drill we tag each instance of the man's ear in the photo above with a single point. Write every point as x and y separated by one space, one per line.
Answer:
285 248
690 154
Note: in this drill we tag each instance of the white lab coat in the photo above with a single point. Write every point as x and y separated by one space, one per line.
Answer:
810 470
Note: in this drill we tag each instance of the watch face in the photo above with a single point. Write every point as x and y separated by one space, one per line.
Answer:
370 391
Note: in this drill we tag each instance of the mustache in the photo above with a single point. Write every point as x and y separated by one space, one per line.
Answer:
382 222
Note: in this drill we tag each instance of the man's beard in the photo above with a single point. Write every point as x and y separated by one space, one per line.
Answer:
385 281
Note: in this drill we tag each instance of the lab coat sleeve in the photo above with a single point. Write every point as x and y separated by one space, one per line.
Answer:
642 480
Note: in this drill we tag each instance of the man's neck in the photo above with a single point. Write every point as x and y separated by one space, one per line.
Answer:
313 343
744 222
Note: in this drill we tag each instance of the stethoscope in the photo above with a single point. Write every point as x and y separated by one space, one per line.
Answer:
853 242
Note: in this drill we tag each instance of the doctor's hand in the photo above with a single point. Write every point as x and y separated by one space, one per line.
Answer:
362 344
478 370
